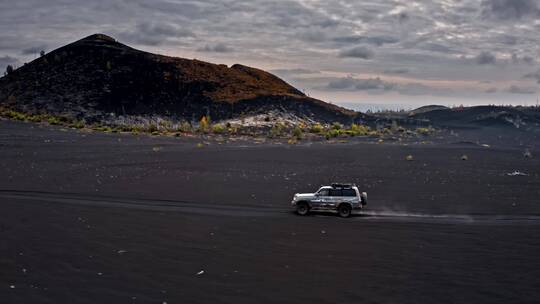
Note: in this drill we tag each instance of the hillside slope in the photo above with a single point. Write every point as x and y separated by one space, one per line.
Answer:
527 118
97 75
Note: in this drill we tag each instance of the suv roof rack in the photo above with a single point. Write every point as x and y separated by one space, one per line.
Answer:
343 185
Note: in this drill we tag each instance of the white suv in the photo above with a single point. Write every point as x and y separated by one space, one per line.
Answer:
343 198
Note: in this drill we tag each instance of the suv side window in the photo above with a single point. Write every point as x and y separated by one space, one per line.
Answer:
323 192
335 192
349 192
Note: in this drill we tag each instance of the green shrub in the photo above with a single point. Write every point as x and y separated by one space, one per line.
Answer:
126 128
103 128
185 127
277 130
53 121
424 131
297 133
165 124
79 124
218 129
316 128
16 115
337 126
152 127
332 133
35 118
358 130
232 129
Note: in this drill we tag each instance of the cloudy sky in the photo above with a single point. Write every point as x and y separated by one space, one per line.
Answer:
398 52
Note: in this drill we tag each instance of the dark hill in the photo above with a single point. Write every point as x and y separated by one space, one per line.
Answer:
425 109
483 116
98 75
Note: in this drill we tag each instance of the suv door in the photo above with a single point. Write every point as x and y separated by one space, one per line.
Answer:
334 197
322 197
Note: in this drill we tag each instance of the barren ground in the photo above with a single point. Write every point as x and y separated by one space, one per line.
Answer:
102 218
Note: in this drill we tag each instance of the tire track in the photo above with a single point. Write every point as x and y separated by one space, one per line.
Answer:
143 204
216 209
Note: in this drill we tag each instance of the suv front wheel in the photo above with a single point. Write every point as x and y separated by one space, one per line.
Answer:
302 208
344 210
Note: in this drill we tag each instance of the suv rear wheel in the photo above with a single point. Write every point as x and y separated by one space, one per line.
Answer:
302 208
344 210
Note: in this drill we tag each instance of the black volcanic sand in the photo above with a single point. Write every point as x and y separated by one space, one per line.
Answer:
103 218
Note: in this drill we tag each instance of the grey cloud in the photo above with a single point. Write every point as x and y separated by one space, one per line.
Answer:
417 89
288 72
375 40
486 58
521 90
292 14
525 59
509 39
216 48
403 17
152 34
534 75
189 9
357 52
33 50
528 59
312 35
397 71
437 47
342 83
5 61
377 85
349 83
510 9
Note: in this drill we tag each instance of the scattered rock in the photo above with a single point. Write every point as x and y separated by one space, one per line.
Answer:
409 158
200 273
517 173
464 157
